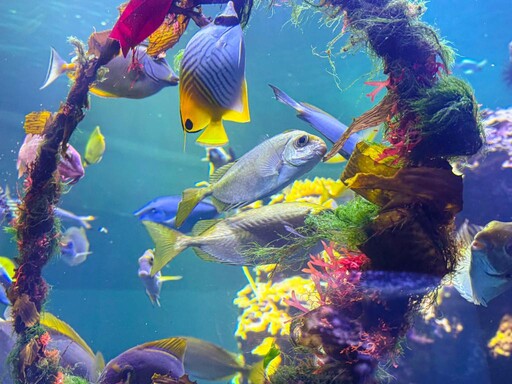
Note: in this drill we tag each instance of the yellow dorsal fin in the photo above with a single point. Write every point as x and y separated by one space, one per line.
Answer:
8 265
100 361
203 225
170 278
217 175
55 324
35 122
176 346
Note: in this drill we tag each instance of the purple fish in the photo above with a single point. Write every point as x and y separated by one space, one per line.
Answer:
138 364
70 166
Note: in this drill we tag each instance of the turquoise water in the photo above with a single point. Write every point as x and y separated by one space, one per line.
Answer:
103 298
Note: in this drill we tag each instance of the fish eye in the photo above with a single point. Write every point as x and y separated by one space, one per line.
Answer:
302 141
189 125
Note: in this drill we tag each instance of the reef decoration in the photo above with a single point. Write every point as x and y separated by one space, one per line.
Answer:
501 343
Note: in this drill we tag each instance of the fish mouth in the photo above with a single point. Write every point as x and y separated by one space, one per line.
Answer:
320 150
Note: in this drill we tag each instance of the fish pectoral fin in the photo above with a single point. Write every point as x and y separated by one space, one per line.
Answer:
214 135
189 200
166 247
163 279
203 225
194 116
240 111
217 175
271 162
176 346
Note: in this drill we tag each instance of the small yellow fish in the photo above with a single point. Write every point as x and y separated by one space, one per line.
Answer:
95 147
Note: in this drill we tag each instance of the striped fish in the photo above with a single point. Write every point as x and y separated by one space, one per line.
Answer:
212 85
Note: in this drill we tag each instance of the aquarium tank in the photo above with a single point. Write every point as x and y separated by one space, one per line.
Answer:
256 192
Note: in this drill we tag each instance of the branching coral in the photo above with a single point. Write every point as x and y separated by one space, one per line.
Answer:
501 343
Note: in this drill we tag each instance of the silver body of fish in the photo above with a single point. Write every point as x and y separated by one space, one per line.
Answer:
486 270
261 172
74 246
231 240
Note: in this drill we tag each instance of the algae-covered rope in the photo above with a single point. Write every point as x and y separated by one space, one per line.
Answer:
37 232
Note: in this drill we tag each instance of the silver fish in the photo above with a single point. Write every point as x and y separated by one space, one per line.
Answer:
469 66
212 84
261 172
229 240
486 270
153 284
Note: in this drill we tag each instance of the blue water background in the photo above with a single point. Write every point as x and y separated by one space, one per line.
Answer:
103 298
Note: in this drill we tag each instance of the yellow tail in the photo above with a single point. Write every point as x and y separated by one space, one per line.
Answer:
167 244
214 135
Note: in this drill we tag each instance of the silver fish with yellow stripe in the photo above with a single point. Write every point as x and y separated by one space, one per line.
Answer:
231 240
212 85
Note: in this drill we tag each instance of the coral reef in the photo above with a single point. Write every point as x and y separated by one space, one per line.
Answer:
501 343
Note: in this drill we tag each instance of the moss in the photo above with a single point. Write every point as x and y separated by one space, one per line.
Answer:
345 224
306 372
74 380
176 62
448 119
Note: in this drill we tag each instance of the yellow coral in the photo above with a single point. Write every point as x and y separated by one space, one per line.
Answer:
266 309
501 343
320 190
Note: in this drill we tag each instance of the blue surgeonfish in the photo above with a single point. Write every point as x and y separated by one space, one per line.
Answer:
163 210
153 284
212 83
74 246
261 172
217 157
485 272
135 76
323 122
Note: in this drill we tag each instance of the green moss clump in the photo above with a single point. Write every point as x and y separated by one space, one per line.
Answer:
176 62
74 380
448 112
304 372
345 225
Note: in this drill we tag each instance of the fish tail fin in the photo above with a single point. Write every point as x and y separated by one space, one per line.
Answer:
336 159
168 244
56 68
214 135
84 220
190 198
285 99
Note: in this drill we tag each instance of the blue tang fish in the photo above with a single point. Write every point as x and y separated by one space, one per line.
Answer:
74 246
212 85
217 157
138 364
153 284
163 210
135 76
323 122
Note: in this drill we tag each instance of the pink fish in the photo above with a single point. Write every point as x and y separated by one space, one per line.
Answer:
139 19
70 166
